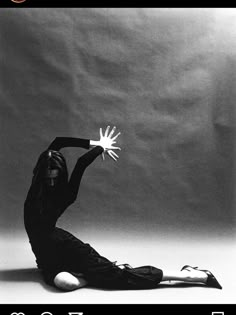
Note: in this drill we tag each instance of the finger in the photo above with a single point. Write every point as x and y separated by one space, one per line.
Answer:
101 135
113 153
112 131
115 148
114 138
110 154
107 130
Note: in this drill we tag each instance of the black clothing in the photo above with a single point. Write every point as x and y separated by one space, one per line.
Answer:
57 250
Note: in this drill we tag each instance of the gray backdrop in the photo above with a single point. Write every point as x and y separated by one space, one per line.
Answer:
164 77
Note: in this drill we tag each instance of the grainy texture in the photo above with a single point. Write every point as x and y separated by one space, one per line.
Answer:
164 77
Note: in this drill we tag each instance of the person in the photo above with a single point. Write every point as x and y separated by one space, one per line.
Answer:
65 261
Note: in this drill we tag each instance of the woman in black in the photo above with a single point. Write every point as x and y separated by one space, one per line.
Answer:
66 262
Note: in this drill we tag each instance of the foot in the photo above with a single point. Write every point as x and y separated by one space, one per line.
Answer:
194 275
209 278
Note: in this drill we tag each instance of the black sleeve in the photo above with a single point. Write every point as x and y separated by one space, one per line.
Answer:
62 142
82 163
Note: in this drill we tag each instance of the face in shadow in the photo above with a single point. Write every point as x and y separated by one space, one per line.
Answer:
51 178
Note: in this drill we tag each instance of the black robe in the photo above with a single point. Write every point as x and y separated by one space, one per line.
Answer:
57 250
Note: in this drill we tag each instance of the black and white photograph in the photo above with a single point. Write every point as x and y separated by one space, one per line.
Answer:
118 182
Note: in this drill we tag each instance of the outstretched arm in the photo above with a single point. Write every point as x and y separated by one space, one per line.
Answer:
104 145
62 142
82 163
106 142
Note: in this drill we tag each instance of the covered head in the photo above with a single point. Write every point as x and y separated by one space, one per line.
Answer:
51 169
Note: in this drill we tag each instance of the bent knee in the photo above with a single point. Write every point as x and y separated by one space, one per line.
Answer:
67 282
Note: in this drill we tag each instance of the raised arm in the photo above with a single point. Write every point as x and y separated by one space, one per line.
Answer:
104 145
106 142
62 142
82 163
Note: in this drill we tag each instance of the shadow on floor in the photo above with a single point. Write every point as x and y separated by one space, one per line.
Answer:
180 285
34 275
25 275
172 285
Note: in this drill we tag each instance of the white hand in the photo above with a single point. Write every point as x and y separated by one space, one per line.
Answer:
106 140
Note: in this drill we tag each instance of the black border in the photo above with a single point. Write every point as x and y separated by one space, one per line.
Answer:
109 309
114 3
121 309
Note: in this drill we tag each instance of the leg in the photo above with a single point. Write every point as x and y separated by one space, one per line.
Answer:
79 257
101 272
190 275
68 282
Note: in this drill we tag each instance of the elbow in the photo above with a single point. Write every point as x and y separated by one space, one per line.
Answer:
54 144
55 141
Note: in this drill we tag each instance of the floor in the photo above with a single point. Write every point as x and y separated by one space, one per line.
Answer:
21 282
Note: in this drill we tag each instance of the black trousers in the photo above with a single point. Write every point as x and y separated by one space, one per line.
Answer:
64 252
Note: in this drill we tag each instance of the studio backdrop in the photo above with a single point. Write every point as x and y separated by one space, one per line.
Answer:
166 78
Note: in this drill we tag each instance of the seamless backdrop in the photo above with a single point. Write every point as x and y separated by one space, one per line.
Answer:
165 77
